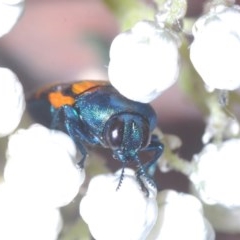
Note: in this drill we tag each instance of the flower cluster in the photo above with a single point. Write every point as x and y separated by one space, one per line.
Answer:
40 175
146 58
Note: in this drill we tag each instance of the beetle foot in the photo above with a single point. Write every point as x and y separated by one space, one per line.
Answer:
143 178
81 163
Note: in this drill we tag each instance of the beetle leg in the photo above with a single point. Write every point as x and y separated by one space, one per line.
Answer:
156 146
141 173
73 127
148 169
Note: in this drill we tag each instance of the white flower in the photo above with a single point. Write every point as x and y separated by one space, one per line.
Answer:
12 101
144 61
21 219
40 165
10 11
180 216
11 2
216 183
216 178
125 213
215 51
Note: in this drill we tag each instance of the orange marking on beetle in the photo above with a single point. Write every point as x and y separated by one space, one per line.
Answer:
57 99
43 90
81 87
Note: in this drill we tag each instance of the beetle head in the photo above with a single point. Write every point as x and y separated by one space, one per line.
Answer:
126 134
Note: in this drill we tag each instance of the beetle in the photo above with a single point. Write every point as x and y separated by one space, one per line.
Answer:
95 113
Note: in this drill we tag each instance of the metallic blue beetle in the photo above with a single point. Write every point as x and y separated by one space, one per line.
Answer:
94 113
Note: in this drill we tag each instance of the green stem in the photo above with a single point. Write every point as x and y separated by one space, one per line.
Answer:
172 160
129 12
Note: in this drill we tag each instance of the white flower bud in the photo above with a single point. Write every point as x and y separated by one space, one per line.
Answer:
22 219
125 213
180 216
40 164
217 177
144 61
216 183
12 101
10 11
11 2
215 51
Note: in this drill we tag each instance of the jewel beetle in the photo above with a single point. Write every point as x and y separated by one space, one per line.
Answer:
95 113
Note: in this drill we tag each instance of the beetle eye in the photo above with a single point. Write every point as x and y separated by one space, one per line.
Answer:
114 133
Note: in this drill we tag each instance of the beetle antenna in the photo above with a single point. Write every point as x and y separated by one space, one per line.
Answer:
121 177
